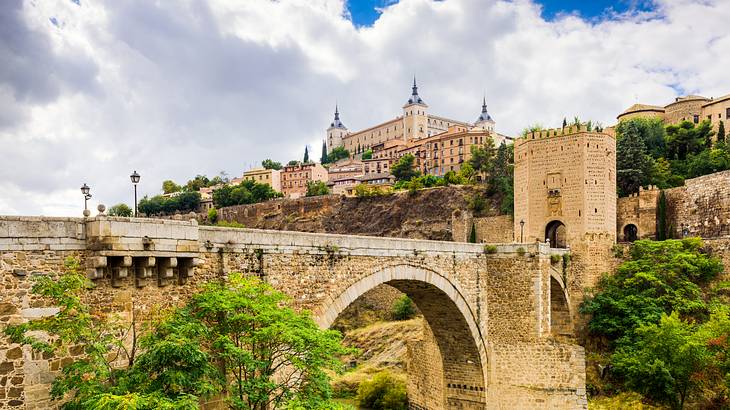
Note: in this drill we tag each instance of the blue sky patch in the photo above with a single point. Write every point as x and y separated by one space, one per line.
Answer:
365 12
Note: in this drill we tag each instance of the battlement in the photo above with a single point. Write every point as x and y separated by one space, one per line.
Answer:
642 189
558 132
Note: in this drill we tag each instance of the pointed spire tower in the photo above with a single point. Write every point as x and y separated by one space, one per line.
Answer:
485 120
336 132
415 118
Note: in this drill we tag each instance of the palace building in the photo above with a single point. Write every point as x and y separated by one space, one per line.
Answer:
439 144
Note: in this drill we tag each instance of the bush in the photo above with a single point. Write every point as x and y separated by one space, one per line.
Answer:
212 215
317 188
477 203
521 251
555 259
120 210
230 224
404 308
383 392
490 249
160 205
366 191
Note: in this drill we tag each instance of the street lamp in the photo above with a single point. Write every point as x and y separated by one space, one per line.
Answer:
522 229
135 179
85 192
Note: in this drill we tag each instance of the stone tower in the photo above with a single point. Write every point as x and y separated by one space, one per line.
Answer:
485 120
415 118
336 132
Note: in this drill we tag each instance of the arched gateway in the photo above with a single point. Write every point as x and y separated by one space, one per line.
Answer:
454 325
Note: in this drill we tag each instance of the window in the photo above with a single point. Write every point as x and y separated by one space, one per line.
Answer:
727 114
696 119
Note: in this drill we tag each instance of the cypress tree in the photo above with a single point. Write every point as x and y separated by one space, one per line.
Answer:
473 234
565 122
631 160
324 160
661 220
721 132
306 154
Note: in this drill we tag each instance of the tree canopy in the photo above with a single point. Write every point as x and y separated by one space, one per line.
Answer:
405 168
120 210
317 188
269 164
184 202
246 192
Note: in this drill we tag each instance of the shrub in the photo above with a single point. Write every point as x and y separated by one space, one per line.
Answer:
366 191
212 215
473 234
230 224
477 203
383 392
490 249
317 188
555 259
120 210
521 251
403 308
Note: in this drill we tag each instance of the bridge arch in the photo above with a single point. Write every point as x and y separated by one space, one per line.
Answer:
452 320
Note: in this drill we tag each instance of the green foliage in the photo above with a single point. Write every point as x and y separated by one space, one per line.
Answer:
323 159
405 168
403 308
664 361
721 132
686 138
194 185
270 354
538 127
633 166
269 164
521 251
662 228
337 154
555 259
490 249
213 215
306 155
169 186
367 154
317 188
230 224
293 163
660 278
246 192
121 210
367 190
477 203
482 156
383 392
159 205
473 234
501 178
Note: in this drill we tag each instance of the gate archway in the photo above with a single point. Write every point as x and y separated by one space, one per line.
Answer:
556 233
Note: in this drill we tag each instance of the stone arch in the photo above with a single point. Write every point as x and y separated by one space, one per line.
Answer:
453 323
630 233
555 231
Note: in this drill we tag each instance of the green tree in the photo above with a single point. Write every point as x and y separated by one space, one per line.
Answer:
383 392
721 132
405 168
565 122
269 164
212 215
169 187
367 154
467 173
194 185
306 155
483 156
120 210
651 132
631 160
317 188
686 138
246 192
175 378
661 173
269 354
337 154
403 308
473 233
664 361
663 231
660 278
293 163
323 159
184 202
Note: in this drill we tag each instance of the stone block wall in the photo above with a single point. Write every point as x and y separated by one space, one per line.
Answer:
640 210
702 206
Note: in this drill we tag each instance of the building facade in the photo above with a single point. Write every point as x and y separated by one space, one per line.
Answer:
294 178
271 177
694 108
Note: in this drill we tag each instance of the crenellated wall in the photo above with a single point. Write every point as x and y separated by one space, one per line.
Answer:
484 309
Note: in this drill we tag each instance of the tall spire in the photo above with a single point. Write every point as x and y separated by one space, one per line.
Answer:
484 116
337 123
415 99
484 104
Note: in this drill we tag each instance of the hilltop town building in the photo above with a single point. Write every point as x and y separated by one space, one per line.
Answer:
294 178
269 177
439 144
694 108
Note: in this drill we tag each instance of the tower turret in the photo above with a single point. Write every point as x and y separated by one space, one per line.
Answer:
415 118
336 132
485 120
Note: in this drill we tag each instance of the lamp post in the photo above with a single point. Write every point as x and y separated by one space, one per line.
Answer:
135 179
85 192
522 229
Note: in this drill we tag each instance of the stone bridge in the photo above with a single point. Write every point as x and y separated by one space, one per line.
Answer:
496 313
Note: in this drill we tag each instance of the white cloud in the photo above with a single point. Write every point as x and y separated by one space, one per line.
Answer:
173 89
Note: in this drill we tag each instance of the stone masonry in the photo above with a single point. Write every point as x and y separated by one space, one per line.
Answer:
490 314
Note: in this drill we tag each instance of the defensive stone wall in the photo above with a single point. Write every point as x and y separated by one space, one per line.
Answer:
637 210
701 207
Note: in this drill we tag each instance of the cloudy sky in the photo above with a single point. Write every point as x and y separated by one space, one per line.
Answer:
91 90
